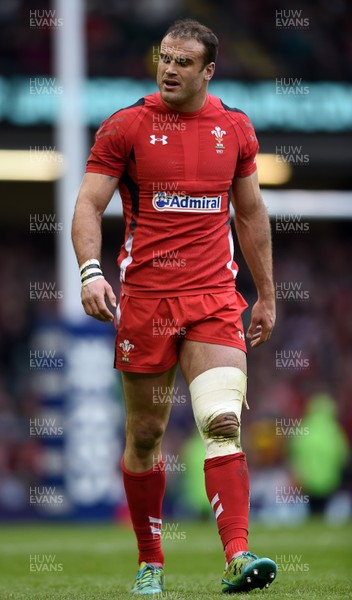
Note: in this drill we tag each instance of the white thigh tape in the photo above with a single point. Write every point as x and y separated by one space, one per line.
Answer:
218 391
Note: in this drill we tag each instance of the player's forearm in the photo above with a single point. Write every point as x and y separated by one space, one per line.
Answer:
254 235
86 232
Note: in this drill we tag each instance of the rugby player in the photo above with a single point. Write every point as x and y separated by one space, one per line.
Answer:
179 157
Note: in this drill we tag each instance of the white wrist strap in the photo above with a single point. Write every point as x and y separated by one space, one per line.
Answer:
90 271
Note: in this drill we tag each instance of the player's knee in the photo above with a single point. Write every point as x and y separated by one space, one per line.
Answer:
145 434
225 425
217 397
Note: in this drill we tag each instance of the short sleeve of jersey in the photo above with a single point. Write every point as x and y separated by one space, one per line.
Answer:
246 164
107 155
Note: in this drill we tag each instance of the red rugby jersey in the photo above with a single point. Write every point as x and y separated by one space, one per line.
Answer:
175 174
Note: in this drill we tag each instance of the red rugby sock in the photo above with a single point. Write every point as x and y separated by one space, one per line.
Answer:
145 492
227 486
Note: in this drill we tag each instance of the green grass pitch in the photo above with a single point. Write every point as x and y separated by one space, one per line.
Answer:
72 562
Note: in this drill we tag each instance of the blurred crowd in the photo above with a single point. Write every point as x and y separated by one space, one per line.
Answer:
22 260
297 430
123 37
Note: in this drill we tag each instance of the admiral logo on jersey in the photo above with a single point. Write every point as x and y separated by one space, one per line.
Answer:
174 202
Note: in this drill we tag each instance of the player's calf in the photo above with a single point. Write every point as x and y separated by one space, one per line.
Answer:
217 398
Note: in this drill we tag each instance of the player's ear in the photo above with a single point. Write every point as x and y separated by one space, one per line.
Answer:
209 71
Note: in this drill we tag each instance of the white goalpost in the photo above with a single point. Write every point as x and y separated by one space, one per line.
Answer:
71 141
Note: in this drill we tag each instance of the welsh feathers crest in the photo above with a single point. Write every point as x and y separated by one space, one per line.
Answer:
219 134
126 348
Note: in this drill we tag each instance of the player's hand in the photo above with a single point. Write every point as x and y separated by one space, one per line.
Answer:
93 297
262 323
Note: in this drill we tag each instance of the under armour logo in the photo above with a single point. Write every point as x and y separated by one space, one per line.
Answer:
162 139
241 335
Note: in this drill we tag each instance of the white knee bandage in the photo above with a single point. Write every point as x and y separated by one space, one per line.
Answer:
215 392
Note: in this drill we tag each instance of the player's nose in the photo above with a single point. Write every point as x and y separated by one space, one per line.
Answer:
171 68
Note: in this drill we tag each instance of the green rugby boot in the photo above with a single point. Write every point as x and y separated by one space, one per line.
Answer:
149 580
247 572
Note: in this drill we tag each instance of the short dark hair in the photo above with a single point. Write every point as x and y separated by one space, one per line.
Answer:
191 29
